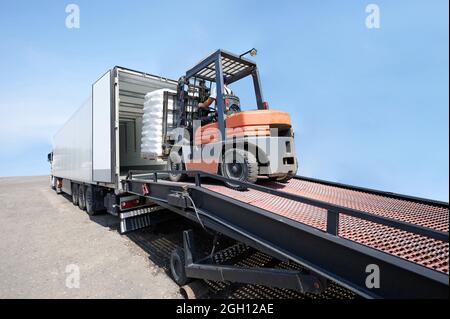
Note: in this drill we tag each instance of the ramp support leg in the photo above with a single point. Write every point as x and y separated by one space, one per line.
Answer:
281 278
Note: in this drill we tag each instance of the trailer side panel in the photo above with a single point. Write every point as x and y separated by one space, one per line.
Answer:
72 146
102 130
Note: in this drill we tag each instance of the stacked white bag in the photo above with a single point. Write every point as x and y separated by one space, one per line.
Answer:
152 120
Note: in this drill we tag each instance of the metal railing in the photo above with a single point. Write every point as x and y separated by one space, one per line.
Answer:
333 211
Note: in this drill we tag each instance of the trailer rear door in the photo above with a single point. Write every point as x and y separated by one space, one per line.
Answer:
102 133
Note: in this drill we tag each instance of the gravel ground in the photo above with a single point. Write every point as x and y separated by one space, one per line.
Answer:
44 239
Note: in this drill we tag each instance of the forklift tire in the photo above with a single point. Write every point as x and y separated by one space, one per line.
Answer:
243 167
290 175
90 200
82 197
177 264
282 179
75 194
171 166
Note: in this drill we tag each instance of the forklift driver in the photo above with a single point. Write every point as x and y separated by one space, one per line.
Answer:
212 98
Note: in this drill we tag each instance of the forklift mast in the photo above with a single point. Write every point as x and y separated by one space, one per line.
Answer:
221 67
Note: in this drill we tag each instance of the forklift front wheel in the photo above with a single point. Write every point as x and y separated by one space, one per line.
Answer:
177 266
239 165
174 164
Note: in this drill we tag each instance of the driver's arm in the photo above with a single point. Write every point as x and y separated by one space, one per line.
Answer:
206 104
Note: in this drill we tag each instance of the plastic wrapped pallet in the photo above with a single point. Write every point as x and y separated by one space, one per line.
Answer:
152 123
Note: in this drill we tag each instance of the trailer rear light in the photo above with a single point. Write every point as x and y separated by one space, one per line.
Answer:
145 189
266 105
129 204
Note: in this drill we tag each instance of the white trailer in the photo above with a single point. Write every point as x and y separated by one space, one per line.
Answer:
100 143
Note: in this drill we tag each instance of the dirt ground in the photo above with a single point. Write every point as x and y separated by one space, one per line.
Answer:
49 248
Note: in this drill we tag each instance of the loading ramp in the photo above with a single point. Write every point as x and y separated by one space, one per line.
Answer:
334 230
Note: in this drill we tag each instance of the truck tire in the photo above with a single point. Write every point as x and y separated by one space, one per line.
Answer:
90 200
75 194
239 165
82 197
177 264
174 163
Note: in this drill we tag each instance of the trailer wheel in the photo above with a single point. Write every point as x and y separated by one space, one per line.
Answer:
239 165
177 264
90 200
75 194
82 197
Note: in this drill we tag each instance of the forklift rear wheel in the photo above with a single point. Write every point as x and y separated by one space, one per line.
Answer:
177 264
287 178
239 165
277 178
81 197
75 194
175 164
282 179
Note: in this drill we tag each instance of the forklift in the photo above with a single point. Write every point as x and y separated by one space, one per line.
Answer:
241 145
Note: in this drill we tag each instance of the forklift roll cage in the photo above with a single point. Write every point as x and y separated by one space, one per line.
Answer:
220 67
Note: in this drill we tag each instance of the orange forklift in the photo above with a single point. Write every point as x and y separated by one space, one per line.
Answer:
237 144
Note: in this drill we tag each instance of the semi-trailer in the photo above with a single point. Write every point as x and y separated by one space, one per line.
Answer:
100 143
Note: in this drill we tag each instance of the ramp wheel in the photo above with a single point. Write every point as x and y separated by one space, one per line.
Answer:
75 194
239 165
82 197
177 264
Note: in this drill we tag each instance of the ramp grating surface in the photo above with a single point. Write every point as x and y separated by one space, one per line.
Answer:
428 252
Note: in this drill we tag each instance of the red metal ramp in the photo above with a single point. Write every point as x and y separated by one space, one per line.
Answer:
425 251
334 230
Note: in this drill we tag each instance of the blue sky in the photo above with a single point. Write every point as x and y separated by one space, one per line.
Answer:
369 106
